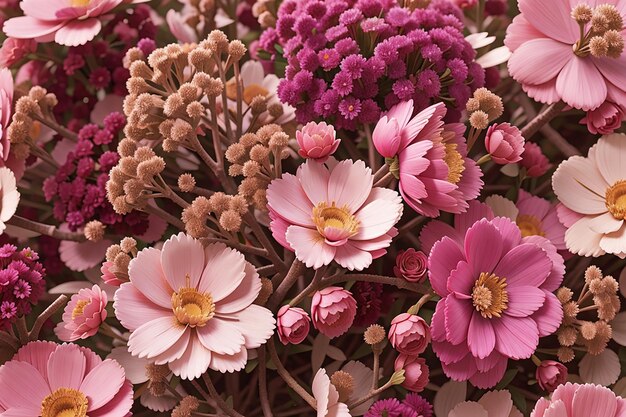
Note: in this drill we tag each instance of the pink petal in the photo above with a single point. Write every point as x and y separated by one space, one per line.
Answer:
592 400
155 337
175 351
229 363
444 257
434 231
256 324
412 160
615 242
462 370
321 388
458 315
78 32
581 85
22 387
66 367
602 369
350 184
468 408
80 256
220 336
491 377
483 247
426 123
475 212
37 354
556 409
511 235
26 27
243 295
516 338
182 260
555 54
194 362
222 261
315 183
524 300
310 247
102 383
481 338
353 258
134 368
610 155
605 223
549 316
147 276
462 279
552 18
120 405
543 93
279 226
133 309
376 218
583 241
613 69
497 403
526 264
579 185
287 198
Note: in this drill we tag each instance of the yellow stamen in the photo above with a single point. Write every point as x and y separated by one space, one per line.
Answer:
489 295
616 200
455 162
192 307
325 216
80 307
64 402
529 225
80 3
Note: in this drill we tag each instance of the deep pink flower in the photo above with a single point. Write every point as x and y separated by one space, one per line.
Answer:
292 324
15 49
333 310
47 379
533 159
504 143
6 106
575 400
409 334
551 374
605 119
83 315
317 141
331 212
553 63
415 372
191 307
411 265
497 300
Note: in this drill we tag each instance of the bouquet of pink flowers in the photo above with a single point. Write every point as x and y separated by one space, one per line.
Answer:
272 208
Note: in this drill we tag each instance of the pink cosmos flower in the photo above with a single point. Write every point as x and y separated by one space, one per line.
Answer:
15 49
492 404
191 307
533 159
83 315
317 141
409 334
292 324
331 212
47 379
333 310
10 196
6 103
504 143
561 53
411 265
429 158
551 374
605 119
574 400
327 397
416 372
497 300
593 189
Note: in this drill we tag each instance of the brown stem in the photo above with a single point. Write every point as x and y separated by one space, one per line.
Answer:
45 315
46 229
263 239
9 340
297 269
541 119
286 376
263 395
218 399
157 211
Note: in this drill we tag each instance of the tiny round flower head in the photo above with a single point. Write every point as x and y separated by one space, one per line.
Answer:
327 397
551 374
533 159
411 265
58 386
605 119
409 334
10 196
83 315
504 143
492 404
333 310
415 372
214 320
292 324
572 400
317 141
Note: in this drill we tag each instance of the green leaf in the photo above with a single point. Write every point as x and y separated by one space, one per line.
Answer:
506 380
518 399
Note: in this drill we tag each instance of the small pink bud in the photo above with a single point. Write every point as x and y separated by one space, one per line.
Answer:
551 374
411 265
293 324
416 372
83 315
409 334
504 143
333 310
317 141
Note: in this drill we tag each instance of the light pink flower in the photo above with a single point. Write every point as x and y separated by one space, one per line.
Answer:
411 265
575 400
83 315
44 377
292 324
496 298
331 212
551 374
15 49
10 196
409 334
317 141
6 106
492 404
594 191
605 119
416 372
108 276
191 307
504 143
533 159
552 63
333 310
327 397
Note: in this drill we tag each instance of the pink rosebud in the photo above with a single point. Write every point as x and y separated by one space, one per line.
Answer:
504 143
333 310
15 49
415 372
605 119
533 159
409 334
551 374
387 137
317 141
83 315
411 265
293 324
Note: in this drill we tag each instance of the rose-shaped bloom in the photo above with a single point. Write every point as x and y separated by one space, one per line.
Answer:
575 400
504 143
533 159
551 374
15 49
293 324
333 310
415 372
317 141
83 315
409 334
605 119
411 265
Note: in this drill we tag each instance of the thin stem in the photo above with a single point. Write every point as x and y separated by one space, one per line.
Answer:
46 229
9 340
297 269
371 394
263 395
157 211
385 180
218 399
22 331
286 376
381 279
45 315
376 368
263 239
381 172
542 118
371 150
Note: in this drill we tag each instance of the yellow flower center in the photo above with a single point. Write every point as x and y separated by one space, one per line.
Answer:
455 162
80 307
529 225
64 402
616 200
334 223
489 295
249 92
80 3
192 307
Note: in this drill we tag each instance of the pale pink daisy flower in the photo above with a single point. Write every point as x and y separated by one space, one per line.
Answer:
569 50
497 300
593 192
492 404
191 307
10 196
47 379
575 400
83 315
331 212
327 397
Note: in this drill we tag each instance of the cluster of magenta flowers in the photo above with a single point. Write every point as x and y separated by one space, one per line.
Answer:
348 61
413 405
21 283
